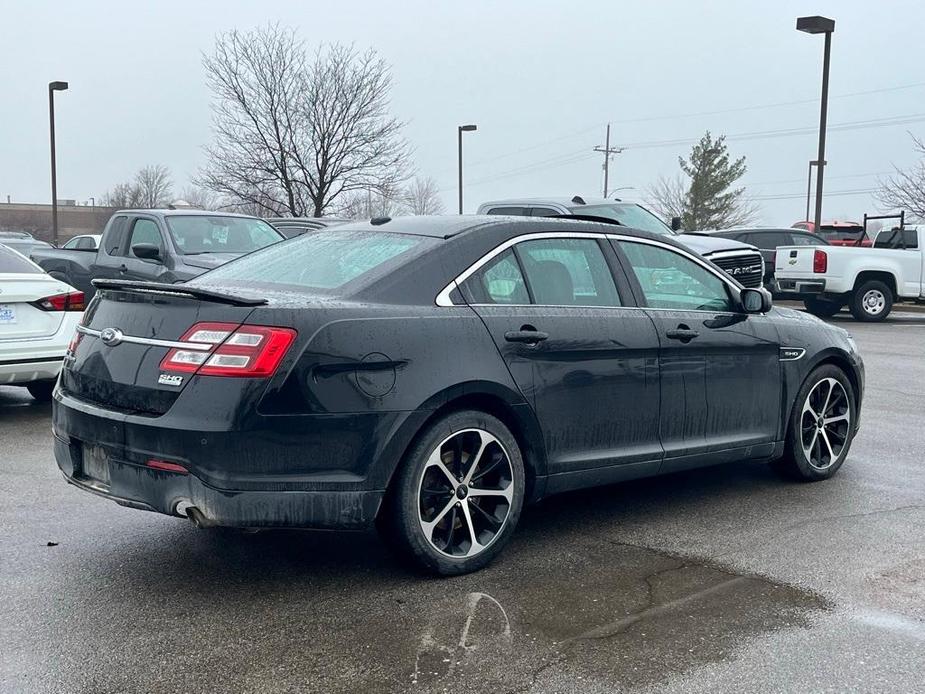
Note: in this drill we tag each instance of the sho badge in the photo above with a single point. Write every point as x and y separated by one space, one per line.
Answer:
170 380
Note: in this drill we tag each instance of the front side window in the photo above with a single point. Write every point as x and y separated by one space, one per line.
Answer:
568 272
672 281
322 261
145 231
195 234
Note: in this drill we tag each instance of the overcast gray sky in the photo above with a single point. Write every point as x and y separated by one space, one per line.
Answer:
541 80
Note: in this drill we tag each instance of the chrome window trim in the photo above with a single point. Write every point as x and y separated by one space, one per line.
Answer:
443 298
150 341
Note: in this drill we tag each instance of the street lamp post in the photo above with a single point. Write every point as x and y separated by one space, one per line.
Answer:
820 25
809 185
52 88
462 129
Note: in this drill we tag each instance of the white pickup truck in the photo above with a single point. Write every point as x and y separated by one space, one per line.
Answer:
869 280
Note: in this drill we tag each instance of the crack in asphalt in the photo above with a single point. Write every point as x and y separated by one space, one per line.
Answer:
813 521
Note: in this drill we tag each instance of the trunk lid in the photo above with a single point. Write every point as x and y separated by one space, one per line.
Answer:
19 318
125 376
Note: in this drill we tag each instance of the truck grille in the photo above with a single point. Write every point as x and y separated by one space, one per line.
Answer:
747 267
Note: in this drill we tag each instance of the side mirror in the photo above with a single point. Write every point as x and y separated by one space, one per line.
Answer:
755 300
146 251
676 224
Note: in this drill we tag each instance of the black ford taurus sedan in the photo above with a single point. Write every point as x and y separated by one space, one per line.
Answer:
431 375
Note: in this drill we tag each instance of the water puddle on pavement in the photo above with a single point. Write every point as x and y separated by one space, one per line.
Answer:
629 618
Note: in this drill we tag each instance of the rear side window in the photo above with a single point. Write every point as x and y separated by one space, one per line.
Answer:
568 272
519 211
322 261
499 281
112 242
11 261
895 238
807 240
769 240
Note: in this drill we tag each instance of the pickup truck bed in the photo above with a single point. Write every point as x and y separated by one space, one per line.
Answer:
868 280
165 246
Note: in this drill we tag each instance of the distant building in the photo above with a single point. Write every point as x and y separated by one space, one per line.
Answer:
36 219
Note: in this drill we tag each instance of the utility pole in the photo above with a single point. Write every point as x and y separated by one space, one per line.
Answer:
607 152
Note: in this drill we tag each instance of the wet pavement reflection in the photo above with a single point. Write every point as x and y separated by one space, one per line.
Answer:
301 611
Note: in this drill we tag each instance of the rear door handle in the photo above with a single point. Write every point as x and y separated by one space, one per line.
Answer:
682 333
529 337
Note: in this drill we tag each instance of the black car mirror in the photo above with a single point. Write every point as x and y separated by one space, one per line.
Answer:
676 224
146 251
755 300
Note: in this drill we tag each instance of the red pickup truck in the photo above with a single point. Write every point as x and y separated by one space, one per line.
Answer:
838 233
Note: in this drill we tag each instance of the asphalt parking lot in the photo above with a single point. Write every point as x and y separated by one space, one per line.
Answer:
725 579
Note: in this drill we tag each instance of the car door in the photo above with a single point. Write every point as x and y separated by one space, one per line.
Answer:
719 367
144 230
111 254
580 352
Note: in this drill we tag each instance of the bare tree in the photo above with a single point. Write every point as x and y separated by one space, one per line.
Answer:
421 196
905 190
153 186
295 135
666 196
200 198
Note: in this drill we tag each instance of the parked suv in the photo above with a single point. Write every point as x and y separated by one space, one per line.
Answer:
740 260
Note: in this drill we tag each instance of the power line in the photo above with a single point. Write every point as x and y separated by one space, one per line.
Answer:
678 116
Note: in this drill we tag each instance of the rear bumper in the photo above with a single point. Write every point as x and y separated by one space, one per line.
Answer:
27 371
314 471
137 486
800 287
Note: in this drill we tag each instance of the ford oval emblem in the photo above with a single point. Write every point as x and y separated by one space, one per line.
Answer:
111 336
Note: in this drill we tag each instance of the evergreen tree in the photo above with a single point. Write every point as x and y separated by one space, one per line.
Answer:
711 201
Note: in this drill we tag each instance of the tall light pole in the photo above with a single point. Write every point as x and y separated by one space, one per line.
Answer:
809 186
462 129
52 88
820 25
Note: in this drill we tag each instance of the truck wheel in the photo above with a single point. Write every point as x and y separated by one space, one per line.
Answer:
823 308
872 301
821 426
457 495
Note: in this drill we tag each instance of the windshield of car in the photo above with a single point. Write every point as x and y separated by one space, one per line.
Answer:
627 214
321 261
13 262
194 234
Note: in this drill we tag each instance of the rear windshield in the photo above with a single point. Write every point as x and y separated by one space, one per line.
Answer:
195 234
628 215
11 261
322 261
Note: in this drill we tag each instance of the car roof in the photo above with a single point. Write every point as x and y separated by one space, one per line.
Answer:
557 200
758 230
450 226
185 212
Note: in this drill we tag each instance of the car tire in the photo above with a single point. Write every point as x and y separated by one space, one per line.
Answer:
816 446
822 308
872 301
440 524
41 390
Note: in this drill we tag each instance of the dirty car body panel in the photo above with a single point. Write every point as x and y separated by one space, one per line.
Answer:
384 335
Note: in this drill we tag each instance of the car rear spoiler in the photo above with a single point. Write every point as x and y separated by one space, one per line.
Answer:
181 289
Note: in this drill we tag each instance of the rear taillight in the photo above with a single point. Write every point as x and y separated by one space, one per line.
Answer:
72 301
248 350
820 261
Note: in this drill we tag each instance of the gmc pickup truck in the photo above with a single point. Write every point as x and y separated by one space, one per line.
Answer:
868 280
158 245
